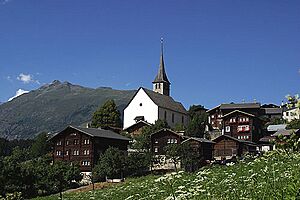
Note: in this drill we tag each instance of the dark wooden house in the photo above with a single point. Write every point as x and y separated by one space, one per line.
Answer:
242 125
227 147
85 145
215 114
136 129
202 146
162 138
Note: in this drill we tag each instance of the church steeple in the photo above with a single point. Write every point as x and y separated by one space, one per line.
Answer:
161 84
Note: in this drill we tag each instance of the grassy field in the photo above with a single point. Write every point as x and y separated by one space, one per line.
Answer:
276 175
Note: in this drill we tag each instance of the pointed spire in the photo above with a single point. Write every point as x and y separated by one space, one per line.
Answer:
161 75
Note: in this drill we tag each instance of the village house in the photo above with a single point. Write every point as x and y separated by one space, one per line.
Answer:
291 114
164 137
237 120
151 105
85 145
227 147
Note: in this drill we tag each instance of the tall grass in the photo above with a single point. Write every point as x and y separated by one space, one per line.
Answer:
275 175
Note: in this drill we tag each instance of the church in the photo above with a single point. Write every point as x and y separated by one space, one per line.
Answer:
151 105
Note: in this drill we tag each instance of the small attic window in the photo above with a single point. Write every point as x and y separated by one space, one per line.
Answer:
141 104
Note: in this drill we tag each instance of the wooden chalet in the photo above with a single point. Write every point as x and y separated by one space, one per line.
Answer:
85 145
136 129
228 147
202 146
162 138
215 114
242 125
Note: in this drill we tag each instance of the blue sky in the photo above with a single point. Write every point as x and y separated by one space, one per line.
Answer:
215 51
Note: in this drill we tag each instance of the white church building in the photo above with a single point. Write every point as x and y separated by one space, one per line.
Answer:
151 105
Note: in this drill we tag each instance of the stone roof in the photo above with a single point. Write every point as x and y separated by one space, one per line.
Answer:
286 132
239 105
276 127
245 113
95 132
165 101
199 140
270 111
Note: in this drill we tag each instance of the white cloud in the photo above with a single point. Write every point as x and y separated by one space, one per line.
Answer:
27 78
18 93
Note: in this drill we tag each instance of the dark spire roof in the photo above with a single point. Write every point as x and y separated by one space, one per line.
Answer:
161 75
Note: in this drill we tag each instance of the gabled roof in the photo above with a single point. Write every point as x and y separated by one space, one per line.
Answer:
213 108
286 132
95 132
202 140
141 122
170 131
245 113
267 139
276 127
235 139
273 111
239 105
165 101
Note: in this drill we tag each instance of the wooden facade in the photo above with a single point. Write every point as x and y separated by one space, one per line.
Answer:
85 145
216 114
136 129
162 138
202 146
242 125
227 147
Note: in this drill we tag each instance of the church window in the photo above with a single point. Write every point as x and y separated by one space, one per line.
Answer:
182 119
172 117
159 86
165 115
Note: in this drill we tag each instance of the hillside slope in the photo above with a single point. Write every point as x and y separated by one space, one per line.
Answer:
274 175
54 106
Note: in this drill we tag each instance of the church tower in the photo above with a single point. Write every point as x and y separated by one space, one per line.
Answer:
161 83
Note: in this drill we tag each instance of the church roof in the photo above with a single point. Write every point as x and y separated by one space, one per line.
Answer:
165 101
161 75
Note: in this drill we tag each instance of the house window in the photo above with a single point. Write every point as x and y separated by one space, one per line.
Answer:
156 149
86 163
227 129
76 152
169 140
172 117
243 128
67 142
156 142
86 141
182 119
219 116
76 141
165 115
58 153
232 120
58 143
86 152
212 116
67 153
175 141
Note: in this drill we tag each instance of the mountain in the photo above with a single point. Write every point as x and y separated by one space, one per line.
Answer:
54 106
